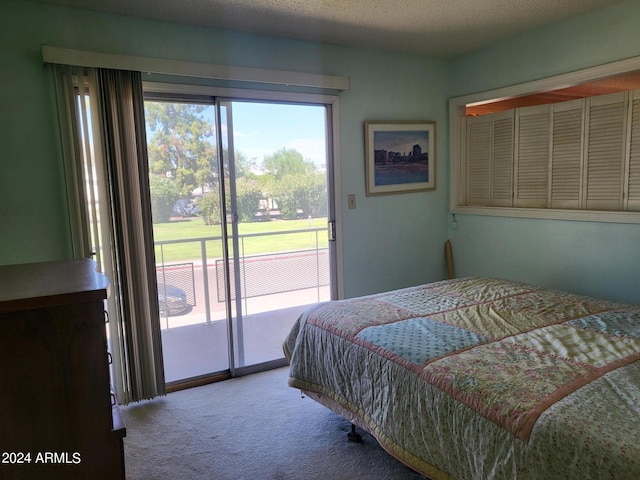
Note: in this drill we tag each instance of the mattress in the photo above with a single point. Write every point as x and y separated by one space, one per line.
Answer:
479 378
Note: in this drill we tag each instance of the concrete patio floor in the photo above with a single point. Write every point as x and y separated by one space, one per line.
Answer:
193 347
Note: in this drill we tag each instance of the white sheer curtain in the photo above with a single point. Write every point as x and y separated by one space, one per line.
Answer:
106 167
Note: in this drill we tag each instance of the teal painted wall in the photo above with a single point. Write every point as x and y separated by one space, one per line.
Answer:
389 242
601 259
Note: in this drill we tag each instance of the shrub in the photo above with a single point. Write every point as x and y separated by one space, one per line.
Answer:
164 194
209 208
248 196
307 192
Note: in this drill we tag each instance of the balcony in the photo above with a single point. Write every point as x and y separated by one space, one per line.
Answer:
275 288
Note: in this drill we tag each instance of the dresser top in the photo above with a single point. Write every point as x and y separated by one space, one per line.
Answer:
35 285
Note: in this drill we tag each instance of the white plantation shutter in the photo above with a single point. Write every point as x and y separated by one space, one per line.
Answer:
604 166
579 155
479 160
567 139
502 168
532 156
633 175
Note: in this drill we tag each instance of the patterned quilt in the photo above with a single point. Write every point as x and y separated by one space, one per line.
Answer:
506 367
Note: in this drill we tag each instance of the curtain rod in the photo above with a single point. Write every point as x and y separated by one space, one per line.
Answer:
83 58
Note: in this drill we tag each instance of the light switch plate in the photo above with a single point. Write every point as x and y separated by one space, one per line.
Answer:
351 200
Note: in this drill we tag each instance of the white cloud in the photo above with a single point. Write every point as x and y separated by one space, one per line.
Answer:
313 149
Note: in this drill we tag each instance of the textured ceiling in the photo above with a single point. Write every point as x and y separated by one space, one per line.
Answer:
441 28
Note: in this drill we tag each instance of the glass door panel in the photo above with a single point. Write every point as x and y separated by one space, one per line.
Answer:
277 202
240 209
184 179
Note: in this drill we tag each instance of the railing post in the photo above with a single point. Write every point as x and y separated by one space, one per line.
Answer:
164 282
205 280
317 267
244 275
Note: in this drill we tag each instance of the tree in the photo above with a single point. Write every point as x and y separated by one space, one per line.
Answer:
287 162
294 183
164 193
249 192
307 192
209 208
182 144
242 163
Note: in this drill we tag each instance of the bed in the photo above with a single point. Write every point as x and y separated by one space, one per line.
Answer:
479 378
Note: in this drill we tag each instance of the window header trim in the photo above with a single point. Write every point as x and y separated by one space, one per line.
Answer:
565 80
458 127
83 58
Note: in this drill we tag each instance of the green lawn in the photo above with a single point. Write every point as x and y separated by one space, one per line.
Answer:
195 229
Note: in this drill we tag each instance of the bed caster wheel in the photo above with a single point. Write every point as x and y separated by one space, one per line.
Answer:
354 436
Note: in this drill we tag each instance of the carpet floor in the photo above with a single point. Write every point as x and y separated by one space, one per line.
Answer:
253 427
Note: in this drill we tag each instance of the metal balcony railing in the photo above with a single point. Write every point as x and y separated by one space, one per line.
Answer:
260 274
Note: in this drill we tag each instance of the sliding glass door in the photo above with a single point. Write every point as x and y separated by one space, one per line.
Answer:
240 207
184 177
277 207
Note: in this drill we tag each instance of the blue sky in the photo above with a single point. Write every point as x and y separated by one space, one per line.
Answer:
401 141
262 128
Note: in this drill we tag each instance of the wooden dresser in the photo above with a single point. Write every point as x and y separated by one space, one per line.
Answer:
58 418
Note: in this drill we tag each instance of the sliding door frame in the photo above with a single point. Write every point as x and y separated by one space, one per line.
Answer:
221 99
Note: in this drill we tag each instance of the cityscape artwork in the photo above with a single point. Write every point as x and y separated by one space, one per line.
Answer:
400 157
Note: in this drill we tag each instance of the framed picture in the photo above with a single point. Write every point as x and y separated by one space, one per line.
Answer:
400 156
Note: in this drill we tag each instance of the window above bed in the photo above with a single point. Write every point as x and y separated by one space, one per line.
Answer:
539 151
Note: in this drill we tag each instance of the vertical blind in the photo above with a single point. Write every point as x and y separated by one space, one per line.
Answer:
106 165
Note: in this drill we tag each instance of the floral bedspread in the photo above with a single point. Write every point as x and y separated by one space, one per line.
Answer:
482 378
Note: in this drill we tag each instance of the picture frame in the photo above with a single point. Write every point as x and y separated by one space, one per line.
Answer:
400 156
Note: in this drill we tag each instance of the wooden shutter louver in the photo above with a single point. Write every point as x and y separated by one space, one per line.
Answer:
478 160
566 154
633 184
502 169
532 157
581 154
605 151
